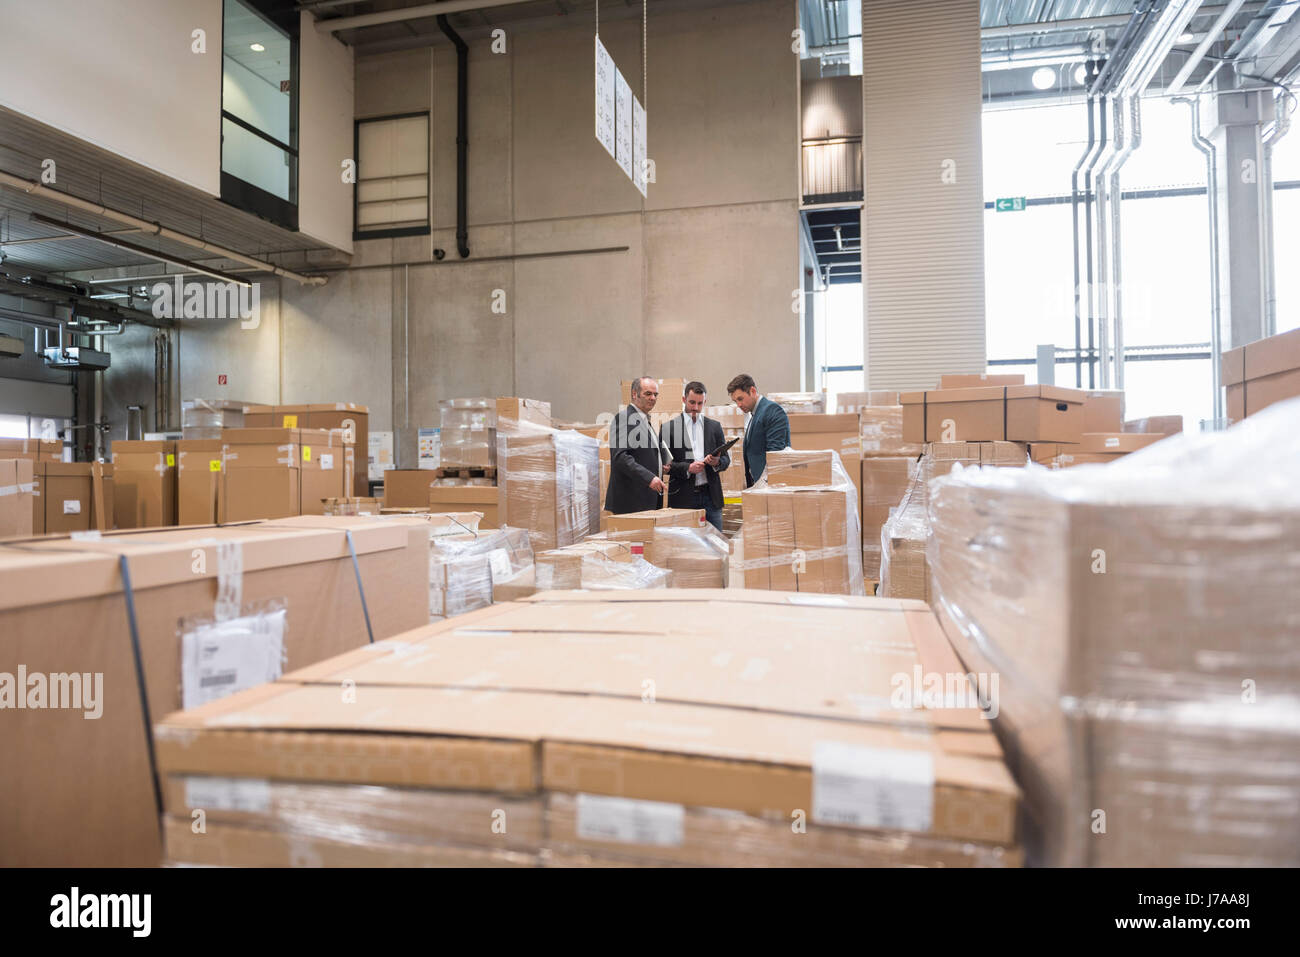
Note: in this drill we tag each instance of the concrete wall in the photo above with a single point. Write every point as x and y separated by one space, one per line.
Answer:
696 281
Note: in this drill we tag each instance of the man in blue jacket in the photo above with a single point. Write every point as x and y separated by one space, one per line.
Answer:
767 427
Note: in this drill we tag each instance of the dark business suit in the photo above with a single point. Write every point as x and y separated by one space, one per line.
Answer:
634 459
681 489
769 431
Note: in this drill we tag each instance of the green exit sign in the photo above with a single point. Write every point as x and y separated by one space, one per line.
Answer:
1012 204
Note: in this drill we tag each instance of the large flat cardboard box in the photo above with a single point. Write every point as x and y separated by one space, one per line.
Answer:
77 790
198 480
16 487
640 521
1014 413
465 498
747 725
1260 373
71 497
1103 410
977 381
144 483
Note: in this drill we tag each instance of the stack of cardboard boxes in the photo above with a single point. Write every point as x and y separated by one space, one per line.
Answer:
1261 373
77 790
694 556
352 420
1137 616
16 488
278 472
144 483
205 418
801 526
840 433
547 483
795 754
71 497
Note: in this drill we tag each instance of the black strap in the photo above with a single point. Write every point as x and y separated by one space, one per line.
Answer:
1004 413
925 417
129 595
356 567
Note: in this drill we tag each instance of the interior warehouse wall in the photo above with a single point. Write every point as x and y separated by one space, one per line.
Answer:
704 289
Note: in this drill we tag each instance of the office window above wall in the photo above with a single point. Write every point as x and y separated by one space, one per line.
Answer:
392 194
259 112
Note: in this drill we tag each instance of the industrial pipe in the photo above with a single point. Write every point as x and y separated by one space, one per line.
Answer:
462 134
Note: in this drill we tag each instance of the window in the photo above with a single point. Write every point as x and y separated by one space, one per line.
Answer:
392 194
259 113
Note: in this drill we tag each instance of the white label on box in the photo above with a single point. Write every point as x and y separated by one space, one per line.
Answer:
499 560
228 794
1112 442
326 462
220 658
581 482
71 506
630 822
878 788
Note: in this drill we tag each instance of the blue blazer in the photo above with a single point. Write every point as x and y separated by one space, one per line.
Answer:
769 431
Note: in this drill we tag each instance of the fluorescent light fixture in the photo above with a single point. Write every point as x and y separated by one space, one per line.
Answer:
1186 37
257 48
1044 78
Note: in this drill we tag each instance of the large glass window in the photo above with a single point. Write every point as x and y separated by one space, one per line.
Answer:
259 137
392 195
1030 152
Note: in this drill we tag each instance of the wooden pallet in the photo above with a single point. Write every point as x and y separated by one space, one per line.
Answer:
466 471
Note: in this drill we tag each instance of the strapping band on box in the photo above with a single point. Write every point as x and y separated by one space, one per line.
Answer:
10 490
230 580
806 555
129 595
356 568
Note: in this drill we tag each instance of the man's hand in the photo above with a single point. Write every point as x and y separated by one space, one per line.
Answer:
695 468
711 460
657 484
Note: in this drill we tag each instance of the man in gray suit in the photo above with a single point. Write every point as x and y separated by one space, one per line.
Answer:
637 459
767 427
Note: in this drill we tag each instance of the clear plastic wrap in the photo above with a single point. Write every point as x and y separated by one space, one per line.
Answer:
205 418
547 482
468 433
885 480
802 529
463 568
800 402
1142 617
697 557
353 506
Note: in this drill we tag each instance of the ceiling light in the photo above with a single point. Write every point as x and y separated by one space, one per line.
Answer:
1186 37
1080 74
1043 78
257 47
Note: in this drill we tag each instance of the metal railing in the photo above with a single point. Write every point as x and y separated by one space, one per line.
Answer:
832 169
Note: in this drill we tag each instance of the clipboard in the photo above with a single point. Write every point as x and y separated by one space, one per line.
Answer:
723 447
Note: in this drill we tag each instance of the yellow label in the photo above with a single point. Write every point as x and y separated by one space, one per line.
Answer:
306 453
171 460
291 422
214 465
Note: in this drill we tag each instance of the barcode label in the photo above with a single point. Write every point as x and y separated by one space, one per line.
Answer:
879 788
220 658
630 822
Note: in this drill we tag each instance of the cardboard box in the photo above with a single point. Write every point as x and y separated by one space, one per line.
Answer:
33 450
884 483
882 431
753 728
198 480
800 403
352 419
1016 413
546 483
78 792
253 493
856 401
798 539
144 484
407 488
513 409
1260 373
640 521
16 497
799 468
978 381
463 499
71 497
205 418
1103 410
1100 448
1157 424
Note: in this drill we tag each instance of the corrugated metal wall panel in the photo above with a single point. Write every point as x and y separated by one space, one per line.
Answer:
923 238
832 106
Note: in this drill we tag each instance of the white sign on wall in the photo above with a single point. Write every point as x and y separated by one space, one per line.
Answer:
638 145
623 124
605 73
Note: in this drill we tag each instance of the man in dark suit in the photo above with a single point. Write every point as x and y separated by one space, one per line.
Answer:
693 480
636 458
767 427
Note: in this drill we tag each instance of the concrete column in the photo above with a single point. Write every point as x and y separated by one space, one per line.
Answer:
1234 123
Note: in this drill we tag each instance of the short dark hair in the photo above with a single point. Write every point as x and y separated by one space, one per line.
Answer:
694 386
744 382
636 383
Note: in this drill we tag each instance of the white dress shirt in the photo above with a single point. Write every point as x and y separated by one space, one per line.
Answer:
695 429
